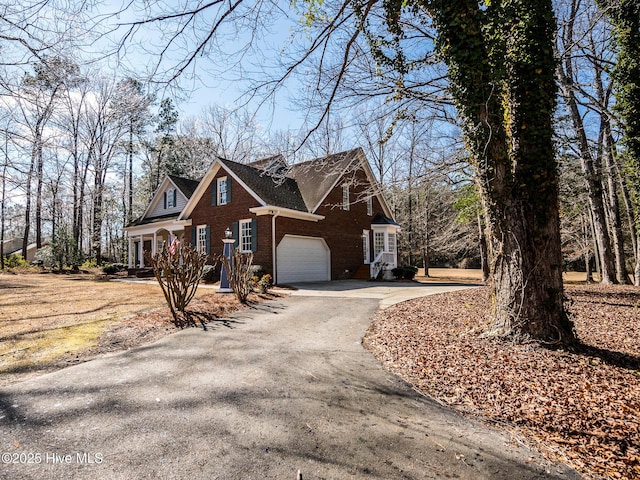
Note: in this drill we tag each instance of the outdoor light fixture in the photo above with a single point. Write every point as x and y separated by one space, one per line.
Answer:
227 233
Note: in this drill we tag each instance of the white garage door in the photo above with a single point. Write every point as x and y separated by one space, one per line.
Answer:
303 259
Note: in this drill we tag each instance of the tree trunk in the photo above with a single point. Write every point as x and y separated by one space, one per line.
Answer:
523 248
3 199
426 254
39 178
592 178
27 210
484 254
613 206
96 227
501 73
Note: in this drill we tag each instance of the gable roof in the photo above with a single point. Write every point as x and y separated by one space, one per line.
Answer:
316 178
269 164
186 186
273 190
298 188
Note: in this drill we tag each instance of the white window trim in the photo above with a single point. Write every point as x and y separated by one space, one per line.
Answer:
201 238
366 249
219 182
170 198
370 206
241 240
345 197
377 234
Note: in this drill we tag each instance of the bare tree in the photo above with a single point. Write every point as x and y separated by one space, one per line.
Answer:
592 170
104 129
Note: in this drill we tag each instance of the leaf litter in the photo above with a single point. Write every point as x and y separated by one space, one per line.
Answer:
581 407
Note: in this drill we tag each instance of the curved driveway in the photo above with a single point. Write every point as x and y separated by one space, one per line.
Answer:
282 388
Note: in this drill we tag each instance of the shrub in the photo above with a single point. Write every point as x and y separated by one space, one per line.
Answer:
406 272
88 264
209 273
178 271
113 268
15 260
239 274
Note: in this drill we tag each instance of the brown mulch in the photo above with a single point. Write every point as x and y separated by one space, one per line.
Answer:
145 327
581 407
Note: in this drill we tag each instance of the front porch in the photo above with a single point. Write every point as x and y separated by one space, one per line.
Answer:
150 238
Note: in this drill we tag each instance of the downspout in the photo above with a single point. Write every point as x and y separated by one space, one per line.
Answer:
274 215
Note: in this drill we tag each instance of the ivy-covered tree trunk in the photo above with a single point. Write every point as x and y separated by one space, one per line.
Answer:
501 69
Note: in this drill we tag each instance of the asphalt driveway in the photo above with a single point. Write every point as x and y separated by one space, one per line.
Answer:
282 388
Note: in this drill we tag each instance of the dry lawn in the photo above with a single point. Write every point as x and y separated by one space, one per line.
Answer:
49 321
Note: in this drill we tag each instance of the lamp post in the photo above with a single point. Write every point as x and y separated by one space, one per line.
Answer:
227 251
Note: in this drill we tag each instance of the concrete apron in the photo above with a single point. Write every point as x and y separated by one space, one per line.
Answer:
388 293
283 387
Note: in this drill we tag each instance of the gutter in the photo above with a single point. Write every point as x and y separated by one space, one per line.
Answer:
274 215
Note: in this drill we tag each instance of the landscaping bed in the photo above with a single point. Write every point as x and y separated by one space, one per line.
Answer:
581 407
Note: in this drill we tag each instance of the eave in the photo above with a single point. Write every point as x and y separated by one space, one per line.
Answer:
286 212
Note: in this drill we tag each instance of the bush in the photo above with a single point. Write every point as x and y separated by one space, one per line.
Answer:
178 271
88 264
406 272
15 260
209 274
113 268
239 274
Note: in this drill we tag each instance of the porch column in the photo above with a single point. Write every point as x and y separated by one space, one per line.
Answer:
154 245
141 251
130 252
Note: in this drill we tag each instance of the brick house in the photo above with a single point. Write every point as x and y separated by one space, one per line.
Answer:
324 219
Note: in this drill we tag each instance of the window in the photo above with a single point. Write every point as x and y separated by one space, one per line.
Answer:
223 198
246 235
171 198
365 246
345 197
391 247
378 243
370 206
201 239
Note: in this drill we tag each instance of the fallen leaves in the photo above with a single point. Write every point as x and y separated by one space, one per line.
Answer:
582 407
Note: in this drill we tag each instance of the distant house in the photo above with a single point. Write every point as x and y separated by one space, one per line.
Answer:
324 219
14 247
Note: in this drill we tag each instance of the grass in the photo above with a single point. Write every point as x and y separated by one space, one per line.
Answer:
47 317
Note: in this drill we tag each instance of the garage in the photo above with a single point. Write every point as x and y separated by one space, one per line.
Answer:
303 259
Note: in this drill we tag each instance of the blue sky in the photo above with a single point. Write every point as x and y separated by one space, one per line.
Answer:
207 83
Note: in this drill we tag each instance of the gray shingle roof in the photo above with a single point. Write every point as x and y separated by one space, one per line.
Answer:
380 219
316 177
303 185
278 191
186 185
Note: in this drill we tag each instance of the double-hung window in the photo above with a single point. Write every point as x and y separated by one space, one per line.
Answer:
171 198
370 206
201 238
223 197
246 235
